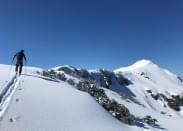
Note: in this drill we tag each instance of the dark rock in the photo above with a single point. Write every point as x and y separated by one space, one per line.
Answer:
149 120
122 80
163 112
149 91
61 76
145 75
156 97
179 78
71 82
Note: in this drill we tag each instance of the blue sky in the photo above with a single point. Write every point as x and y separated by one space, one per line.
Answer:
93 33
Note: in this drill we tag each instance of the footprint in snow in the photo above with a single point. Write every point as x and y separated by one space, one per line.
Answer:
14 119
17 99
20 89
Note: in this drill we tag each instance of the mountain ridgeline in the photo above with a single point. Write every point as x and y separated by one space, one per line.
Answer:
140 97
144 84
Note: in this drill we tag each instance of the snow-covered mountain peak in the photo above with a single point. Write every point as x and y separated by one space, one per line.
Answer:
145 71
141 64
58 68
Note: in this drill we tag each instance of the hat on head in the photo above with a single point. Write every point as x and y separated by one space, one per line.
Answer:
22 50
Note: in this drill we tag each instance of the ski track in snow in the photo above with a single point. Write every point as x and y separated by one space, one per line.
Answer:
7 93
55 111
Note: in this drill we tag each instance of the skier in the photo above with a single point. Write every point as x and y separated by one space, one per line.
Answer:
20 55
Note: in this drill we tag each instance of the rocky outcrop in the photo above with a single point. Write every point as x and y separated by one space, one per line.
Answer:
119 111
180 79
175 102
102 77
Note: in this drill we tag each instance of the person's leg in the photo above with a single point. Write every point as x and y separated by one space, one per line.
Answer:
20 69
16 68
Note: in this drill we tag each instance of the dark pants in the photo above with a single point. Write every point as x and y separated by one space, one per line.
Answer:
19 65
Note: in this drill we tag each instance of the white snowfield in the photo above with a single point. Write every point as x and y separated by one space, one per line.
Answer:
36 103
43 105
146 75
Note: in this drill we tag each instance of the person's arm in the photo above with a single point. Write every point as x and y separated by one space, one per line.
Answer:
14 57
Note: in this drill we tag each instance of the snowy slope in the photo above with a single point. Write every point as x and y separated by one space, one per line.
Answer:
39 104
146 75
34 102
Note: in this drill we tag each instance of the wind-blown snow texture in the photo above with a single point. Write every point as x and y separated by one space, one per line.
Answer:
35 103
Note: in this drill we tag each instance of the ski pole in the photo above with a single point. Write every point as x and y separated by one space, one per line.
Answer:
25 67
10 69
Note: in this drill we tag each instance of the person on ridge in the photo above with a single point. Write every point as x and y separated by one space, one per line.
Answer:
19 64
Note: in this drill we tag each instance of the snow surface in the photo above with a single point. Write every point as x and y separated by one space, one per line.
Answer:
43 105
147 76
36 103
139 64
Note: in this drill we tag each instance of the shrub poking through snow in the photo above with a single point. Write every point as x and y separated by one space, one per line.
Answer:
120 112
46 73
71 82
52 74
149 120
174 102
83 85
117 110
61 76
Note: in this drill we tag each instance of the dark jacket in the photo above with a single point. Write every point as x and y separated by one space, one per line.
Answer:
20 55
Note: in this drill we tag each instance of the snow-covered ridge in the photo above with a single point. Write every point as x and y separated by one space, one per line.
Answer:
144 88
143 76
154 88
64 66
39 104
138 65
